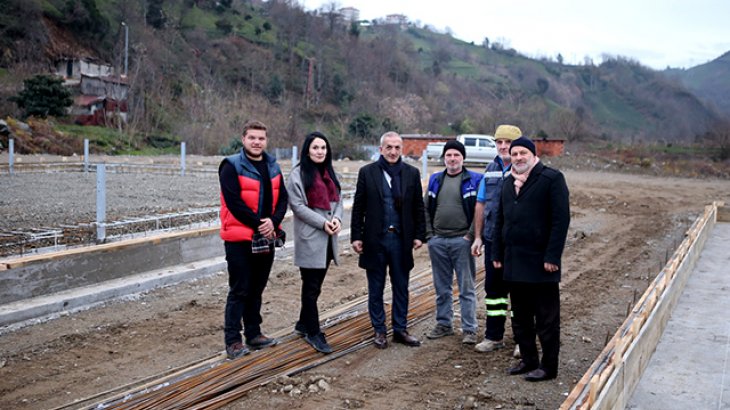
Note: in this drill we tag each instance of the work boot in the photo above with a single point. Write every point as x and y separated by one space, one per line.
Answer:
260 342
440 331
487 345
470 338
236 350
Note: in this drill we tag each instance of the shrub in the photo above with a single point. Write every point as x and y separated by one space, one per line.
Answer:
43 95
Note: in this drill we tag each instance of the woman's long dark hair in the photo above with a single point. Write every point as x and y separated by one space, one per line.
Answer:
308 167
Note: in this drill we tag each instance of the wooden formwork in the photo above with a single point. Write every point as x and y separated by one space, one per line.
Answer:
613 376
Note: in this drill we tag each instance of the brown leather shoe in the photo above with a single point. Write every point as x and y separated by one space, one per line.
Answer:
406 339
380 340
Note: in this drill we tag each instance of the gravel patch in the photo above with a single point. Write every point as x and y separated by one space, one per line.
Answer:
32 201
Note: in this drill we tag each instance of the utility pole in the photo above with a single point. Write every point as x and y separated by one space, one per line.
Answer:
126 47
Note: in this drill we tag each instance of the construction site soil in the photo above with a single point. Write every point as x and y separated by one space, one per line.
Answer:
622 230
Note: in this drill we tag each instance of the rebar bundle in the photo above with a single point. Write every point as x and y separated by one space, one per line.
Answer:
215 382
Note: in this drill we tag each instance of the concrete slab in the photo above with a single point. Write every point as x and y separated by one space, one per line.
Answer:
690 368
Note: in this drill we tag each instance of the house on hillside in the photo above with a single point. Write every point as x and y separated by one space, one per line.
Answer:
100 96
71 69
350 13
113 87
396 19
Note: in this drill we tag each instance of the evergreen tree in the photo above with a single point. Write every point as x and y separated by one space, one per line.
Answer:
43 95
155 14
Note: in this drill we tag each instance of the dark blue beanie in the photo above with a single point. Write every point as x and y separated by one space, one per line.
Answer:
523 142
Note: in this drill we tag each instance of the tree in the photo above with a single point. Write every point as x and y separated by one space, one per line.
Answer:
569 124
83 17
354 31
224 25
275 89
363 126
155 14
43 95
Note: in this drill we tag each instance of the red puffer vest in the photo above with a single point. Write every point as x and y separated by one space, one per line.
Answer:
232 230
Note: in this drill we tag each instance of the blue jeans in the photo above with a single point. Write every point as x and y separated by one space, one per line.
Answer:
248 274
449 255
391 256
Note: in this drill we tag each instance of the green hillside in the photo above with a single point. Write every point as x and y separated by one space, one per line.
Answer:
709 81
200 68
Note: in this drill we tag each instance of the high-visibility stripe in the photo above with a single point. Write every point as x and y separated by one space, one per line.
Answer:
498 301
468 194
496 313
493 174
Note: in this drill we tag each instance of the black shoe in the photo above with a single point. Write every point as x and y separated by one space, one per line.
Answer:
380 340
404 338
539 375
236 350
319 343
260 342
521 368
299 329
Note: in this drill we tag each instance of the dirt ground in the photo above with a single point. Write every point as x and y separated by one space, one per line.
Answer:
623 228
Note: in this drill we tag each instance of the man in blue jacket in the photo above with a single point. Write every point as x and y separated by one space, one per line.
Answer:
449 207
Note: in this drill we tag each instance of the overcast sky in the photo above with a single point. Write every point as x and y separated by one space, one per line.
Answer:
657 33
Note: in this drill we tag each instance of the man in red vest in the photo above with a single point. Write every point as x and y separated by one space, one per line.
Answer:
253 204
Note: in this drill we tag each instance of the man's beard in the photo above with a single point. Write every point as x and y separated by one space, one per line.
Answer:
522 168
251 154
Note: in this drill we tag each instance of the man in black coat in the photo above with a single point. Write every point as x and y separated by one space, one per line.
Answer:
531 229
388 222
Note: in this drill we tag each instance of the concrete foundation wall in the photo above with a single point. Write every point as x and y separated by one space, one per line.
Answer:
40 275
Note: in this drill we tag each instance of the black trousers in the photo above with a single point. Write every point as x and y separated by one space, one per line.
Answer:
312 280
496 298
248 274
536 312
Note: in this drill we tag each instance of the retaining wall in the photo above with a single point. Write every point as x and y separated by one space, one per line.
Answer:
38 275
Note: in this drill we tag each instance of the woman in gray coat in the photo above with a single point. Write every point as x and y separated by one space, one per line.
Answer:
316 201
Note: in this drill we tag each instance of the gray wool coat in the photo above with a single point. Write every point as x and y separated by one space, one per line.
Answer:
310 239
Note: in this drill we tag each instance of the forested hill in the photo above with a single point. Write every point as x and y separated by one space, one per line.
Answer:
199 68
709 81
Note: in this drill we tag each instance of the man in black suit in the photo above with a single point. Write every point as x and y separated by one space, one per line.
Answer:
388 222
530 233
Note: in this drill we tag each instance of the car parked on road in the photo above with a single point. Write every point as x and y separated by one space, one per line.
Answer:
479 148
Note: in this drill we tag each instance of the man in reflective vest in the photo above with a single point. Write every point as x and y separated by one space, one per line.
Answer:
253 204
488 195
